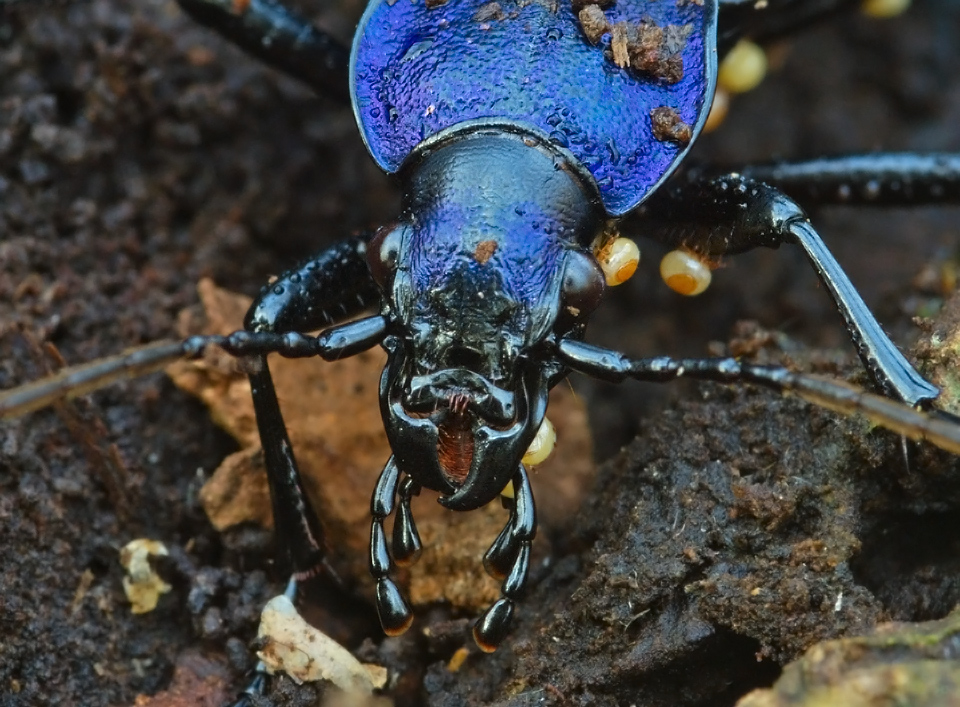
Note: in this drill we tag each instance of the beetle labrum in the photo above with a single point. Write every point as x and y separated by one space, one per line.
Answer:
487 281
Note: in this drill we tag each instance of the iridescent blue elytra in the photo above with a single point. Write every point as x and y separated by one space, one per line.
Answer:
419 70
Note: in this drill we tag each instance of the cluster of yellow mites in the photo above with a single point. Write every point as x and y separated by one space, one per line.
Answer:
745 66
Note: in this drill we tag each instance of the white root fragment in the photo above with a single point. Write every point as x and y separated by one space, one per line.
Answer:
142 585
306 654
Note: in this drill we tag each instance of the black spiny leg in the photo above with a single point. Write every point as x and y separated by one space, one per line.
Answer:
395 614
883 178
332 286
508 559
732 214
406 540
279 37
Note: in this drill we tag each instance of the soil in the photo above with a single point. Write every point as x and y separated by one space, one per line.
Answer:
913 663
139 153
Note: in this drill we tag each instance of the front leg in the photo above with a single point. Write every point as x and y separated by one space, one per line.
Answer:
332 286
732 214
328 288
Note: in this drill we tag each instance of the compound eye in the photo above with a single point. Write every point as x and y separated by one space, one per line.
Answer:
583 285
383 252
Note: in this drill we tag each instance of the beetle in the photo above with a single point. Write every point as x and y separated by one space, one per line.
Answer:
445 387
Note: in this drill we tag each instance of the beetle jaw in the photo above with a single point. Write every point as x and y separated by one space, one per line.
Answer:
465 443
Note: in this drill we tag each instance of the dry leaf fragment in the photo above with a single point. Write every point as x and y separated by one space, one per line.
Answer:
307 654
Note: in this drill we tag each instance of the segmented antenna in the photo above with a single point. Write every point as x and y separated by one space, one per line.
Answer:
937 427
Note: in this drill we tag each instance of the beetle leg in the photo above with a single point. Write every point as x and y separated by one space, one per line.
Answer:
510 549
279 37
406 540
297 528
935 426
335 281
395 614
879 179
256 687
331 286
732 214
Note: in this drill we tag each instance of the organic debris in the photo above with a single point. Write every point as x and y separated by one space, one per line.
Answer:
306 654
668 126
143 586
642 46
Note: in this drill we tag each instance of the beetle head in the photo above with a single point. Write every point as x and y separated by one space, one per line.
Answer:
482 271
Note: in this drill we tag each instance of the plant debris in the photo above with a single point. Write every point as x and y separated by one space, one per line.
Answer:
668 126
142 585
642 46
306 654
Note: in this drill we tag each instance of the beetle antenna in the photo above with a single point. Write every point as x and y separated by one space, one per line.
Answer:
940 428
73 381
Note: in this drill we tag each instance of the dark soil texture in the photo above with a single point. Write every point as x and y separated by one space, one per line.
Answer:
139 153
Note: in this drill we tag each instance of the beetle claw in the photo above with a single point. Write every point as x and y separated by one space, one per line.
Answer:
492 627
395 614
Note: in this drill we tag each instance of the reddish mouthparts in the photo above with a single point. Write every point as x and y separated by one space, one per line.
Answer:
455 441
458 402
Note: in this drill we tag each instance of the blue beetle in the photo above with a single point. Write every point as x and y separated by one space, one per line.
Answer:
519 131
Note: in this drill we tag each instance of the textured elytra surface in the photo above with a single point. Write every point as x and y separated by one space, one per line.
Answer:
419 69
